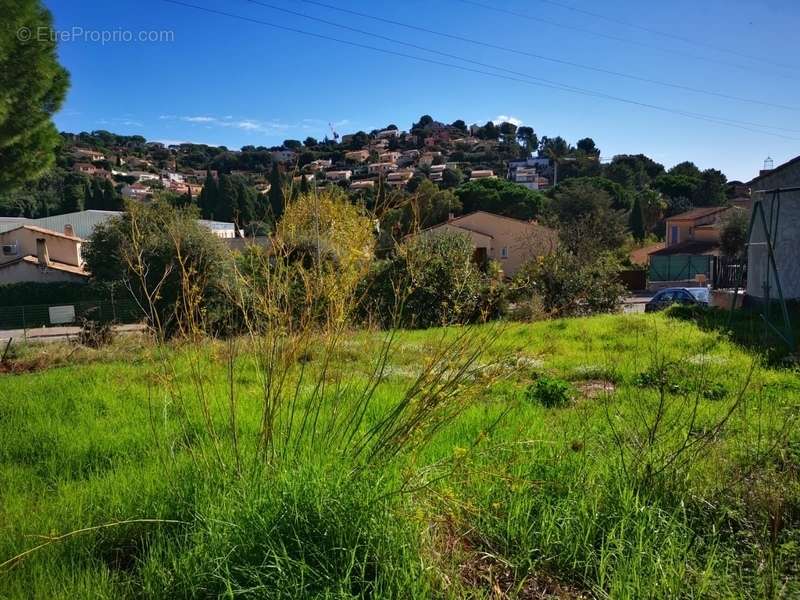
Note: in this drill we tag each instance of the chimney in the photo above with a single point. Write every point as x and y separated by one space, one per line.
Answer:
69 230
41 252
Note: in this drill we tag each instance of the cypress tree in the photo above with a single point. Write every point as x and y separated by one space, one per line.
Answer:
227 199
207 201
111 200
636 220
277 201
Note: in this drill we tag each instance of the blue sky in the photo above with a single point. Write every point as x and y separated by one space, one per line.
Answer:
220 80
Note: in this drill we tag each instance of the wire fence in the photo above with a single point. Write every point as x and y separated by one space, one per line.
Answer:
69 314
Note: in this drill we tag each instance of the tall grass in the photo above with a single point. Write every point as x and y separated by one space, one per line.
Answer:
302 458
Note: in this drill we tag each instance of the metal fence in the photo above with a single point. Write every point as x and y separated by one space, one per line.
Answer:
730 273
680 267
69 314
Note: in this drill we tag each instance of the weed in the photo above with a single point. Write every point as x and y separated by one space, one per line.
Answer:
550 392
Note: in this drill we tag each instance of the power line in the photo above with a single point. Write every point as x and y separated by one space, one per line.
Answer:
535 55
619 39
482 64
561 87
664 33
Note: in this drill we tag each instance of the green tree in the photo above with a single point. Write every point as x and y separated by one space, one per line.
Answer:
588 147
733 236
501 197
208 199
112 200
636 220
588 224
452 178
169 262
432 278
74 195
685 169
277 199
711 190
32 88
527 137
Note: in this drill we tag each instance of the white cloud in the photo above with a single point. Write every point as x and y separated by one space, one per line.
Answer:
269 127
507 119
199 119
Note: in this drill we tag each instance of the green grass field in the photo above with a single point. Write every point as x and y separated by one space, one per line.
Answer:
628 456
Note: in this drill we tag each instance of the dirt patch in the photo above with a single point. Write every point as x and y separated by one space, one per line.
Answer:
21 367
594 388
499 580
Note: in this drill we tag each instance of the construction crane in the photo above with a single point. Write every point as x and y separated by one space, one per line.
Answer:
333 131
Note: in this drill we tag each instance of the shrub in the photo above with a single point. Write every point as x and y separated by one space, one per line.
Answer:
173 266
570 287
550 392
432 281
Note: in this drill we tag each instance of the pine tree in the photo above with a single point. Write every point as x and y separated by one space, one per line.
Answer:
636 221
32 88
277 201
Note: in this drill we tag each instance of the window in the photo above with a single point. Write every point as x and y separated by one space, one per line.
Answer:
504 252
673 236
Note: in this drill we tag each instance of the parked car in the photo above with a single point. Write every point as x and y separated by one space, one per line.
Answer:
669 296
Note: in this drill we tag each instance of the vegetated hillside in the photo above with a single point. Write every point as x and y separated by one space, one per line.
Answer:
617 456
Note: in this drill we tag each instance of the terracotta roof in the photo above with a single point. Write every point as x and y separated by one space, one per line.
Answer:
640 255
56 266
690 247
44 231
698 213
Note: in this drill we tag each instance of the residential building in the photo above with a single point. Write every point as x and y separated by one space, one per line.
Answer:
692 248
338 175
30 253
358 156
319 165
428 158
388 134
144 176
390 157
510 242
136 191
88 154
399 178
222 229
283 156
782 212
85 168
699 224
81 223
362 184
381 168
482 174
441 136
